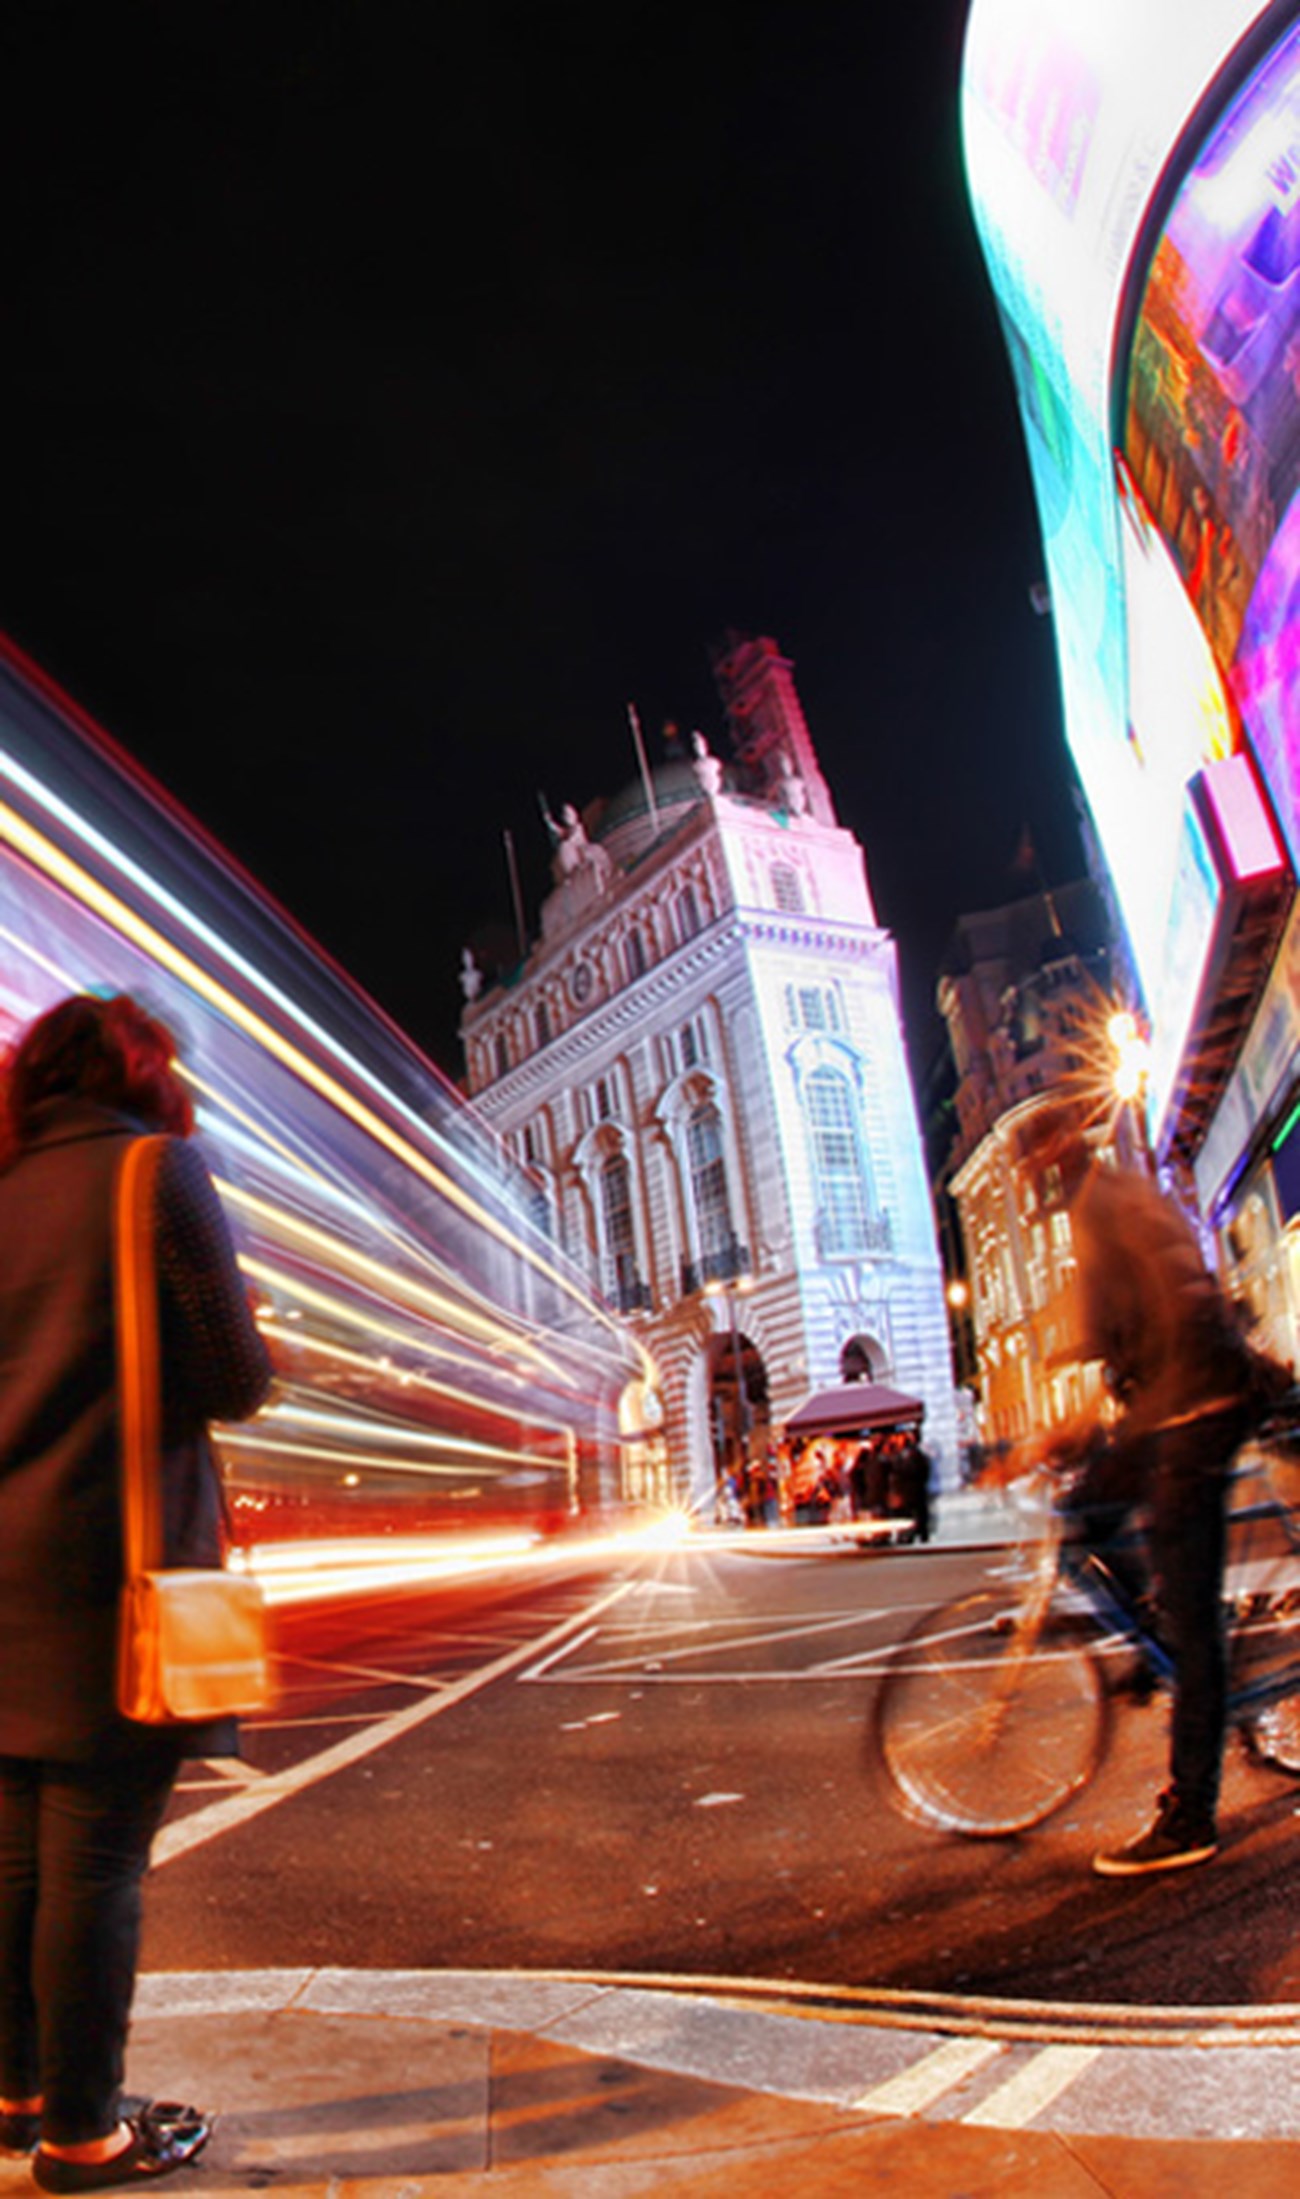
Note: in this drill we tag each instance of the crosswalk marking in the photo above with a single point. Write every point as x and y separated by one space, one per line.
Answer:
1034 2086
915 2089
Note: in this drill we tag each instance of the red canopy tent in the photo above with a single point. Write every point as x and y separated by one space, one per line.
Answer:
852 1408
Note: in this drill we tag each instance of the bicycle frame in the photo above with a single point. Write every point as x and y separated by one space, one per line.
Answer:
994 1709
1085 1567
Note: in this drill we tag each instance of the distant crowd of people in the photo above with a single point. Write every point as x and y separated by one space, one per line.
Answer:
823 1480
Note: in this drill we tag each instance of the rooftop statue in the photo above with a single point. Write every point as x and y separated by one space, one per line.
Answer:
791 790
572 851
707 767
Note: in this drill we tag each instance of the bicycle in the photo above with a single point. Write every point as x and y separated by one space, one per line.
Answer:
995 1709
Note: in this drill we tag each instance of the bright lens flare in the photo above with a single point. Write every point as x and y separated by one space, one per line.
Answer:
1132 1057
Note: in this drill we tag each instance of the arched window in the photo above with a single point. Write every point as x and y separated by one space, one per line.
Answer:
839 1170
502 1054
622 1280
709 1193
688 914
543 1023
634 956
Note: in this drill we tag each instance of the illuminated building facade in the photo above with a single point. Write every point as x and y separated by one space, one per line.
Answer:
701 1062
1025 992
1135 173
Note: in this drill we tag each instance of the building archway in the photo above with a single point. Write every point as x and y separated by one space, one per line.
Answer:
739 1415
864 1359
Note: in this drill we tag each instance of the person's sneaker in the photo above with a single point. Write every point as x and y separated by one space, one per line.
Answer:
1170 1843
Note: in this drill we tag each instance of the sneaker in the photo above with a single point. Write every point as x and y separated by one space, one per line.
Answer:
1170 1843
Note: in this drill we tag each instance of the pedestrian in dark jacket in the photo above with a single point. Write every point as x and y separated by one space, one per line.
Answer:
82 1790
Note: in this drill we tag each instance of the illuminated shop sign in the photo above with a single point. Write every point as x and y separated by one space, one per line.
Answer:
1270 1062
1231 883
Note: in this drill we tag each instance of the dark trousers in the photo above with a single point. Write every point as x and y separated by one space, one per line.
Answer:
1187 1535
74 1845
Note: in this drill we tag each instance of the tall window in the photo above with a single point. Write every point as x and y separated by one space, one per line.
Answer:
620 1237
502 1054
709 1180
841 1187
688 914
543 1024
786 889
634 956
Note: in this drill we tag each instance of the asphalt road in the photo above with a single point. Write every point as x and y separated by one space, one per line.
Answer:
669 1766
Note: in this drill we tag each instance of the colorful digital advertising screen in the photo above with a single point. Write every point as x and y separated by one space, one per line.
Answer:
1134 175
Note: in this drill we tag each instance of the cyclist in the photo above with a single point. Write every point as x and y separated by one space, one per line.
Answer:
1189 1390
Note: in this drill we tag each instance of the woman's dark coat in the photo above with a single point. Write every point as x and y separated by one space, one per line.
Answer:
60 1532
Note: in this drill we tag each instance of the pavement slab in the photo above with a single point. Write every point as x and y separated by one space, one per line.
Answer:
376 2085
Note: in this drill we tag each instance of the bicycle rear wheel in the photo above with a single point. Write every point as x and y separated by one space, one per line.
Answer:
1277 1456
1266 1651
983 1730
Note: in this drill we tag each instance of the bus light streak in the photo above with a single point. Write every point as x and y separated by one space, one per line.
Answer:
451 1394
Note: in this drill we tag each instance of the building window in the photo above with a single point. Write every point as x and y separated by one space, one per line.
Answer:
502 1052
709 1182
543 1024
812 1008
693 1042
787 892
539 1206
620 1236
604 1099
843 1208
688 914
634 956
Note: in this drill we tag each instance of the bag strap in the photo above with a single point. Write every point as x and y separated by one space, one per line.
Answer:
139 1387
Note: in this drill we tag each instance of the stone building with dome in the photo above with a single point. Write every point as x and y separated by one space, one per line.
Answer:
701 1062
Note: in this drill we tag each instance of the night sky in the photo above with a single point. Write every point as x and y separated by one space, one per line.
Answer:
392 392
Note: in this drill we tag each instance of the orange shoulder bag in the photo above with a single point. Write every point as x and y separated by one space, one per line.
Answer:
191 1641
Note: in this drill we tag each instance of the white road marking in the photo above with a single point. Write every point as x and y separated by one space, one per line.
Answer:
238 1809
1034 2086
917 2088
715 1801
564 1649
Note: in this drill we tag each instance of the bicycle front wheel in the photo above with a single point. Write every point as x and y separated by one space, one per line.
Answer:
983 1729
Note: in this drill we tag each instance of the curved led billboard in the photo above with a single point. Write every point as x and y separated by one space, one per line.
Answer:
1133 171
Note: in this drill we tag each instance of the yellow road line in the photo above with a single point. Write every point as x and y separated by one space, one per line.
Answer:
1034 2086
915 2089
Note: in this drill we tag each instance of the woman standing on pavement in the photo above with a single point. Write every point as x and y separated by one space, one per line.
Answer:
82 1790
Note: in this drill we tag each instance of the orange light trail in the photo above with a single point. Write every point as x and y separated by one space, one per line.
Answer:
71 875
